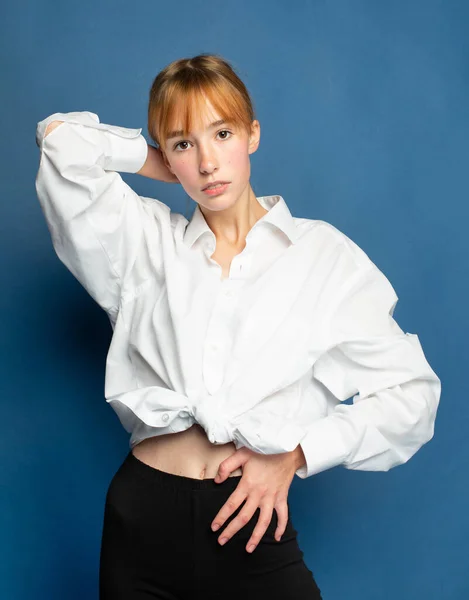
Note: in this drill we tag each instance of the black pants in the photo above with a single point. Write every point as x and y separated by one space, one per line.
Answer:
157 542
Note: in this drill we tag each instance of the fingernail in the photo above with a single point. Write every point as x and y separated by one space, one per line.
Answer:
215 527
223 540
251 548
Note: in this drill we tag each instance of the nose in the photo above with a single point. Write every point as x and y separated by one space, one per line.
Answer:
207 161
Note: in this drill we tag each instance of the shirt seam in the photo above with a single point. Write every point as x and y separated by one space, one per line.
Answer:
119 278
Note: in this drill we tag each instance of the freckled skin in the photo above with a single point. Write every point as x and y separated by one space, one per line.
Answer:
210 154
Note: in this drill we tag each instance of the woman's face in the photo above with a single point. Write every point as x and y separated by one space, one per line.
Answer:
212 152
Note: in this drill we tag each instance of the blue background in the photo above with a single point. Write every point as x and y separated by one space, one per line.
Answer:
364 114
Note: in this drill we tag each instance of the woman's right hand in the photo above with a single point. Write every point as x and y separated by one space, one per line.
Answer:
155 167
51 127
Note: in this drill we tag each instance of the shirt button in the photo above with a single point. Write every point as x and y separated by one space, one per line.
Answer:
229 293
165 417
213 347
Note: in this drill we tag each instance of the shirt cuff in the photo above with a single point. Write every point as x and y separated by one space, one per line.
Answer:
323 446
125 149
126 154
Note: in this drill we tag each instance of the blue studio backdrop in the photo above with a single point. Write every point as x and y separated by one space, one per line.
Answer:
364 123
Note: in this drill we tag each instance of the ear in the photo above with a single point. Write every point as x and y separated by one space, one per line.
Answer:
165 160
255 136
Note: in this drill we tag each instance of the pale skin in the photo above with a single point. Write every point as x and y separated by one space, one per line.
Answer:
194 161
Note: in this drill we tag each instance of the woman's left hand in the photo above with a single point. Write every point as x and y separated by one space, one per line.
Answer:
265 483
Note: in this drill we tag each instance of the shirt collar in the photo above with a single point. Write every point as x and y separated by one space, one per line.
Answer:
279 215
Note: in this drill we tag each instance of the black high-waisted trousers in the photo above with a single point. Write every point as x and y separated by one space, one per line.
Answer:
157 543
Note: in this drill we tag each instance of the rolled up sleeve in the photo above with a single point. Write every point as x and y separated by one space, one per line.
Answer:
96 221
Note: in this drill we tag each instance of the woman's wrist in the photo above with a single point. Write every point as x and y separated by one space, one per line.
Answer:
300 459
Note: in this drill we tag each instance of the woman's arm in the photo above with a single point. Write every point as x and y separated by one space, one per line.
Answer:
99 225
395 391
154 167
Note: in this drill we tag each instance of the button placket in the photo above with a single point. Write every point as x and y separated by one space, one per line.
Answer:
217 345
218 339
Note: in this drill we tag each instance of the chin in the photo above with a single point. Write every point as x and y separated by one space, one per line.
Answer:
218 203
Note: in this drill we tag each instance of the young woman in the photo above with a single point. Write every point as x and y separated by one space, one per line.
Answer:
236 337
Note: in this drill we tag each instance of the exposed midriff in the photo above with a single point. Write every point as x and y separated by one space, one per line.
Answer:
189 453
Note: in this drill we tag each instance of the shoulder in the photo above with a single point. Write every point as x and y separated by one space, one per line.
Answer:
155 205
330 236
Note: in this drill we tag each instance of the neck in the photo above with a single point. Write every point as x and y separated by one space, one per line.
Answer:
232 224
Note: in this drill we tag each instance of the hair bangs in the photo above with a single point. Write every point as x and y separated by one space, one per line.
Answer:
180 93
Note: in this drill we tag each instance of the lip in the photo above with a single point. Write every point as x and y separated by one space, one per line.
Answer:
214 183
217 191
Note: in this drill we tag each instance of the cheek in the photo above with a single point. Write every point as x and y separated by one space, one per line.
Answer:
238 160
183 170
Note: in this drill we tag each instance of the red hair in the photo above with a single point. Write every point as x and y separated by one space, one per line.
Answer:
181 89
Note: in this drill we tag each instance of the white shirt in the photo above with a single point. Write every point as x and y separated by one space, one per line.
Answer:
263 358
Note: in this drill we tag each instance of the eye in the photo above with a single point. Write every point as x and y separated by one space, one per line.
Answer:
225 131
186 142
183 142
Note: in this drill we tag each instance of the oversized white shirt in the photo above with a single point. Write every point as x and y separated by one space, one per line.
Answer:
265 357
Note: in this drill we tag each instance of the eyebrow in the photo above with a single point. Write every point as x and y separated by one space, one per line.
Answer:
173 134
